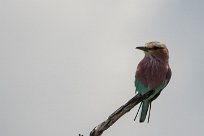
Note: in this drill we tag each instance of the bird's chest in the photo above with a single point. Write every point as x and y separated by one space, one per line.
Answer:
152 73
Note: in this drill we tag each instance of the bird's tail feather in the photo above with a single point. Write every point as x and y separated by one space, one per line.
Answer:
137 111
145 106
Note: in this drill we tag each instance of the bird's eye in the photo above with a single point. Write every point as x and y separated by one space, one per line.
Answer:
156 48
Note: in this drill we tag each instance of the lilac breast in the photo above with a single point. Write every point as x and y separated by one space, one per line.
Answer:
152 72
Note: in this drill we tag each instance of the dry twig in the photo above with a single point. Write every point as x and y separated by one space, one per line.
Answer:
98 130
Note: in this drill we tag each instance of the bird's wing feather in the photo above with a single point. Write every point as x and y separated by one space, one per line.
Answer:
168 75
140 87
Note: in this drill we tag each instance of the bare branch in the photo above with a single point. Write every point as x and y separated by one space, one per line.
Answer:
98 130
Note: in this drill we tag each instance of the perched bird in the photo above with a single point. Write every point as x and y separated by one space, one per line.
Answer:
153 73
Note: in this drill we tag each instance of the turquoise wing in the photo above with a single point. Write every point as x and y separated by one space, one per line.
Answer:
140 87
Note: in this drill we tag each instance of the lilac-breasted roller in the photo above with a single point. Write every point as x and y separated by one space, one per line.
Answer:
153 73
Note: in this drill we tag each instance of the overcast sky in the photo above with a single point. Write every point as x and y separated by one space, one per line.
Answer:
66 65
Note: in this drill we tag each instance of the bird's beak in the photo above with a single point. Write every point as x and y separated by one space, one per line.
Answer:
142 48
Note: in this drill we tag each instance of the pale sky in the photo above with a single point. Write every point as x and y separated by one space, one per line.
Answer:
66 65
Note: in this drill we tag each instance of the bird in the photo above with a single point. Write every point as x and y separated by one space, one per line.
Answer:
153 74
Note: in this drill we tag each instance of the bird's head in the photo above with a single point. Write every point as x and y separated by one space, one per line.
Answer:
156 50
